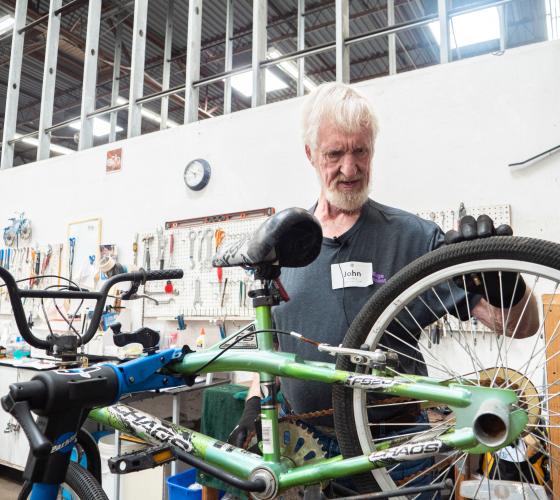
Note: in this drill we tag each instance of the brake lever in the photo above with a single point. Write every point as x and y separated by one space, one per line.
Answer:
130 294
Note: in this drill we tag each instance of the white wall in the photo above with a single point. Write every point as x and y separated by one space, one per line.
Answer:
447 135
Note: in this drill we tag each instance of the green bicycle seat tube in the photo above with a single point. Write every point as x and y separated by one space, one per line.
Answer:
269 411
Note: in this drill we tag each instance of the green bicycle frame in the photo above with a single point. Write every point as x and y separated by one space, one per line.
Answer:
466 401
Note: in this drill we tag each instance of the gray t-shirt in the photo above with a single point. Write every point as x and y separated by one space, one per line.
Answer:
390 239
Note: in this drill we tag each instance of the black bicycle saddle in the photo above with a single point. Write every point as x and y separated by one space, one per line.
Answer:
290 238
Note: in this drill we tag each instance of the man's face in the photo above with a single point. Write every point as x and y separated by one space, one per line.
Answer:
343 165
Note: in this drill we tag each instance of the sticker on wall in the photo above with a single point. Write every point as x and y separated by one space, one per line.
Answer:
114 160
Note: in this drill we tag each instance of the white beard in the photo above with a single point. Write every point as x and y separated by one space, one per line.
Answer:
345 201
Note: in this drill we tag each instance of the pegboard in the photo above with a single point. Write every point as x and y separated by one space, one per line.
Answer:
448 219
190 245
25 262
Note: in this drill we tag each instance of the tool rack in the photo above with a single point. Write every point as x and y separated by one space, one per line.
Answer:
29 261
204 292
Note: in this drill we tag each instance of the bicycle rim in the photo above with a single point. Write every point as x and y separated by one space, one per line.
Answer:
470 353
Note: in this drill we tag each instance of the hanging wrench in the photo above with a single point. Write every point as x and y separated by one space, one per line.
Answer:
209 251
192 239
442 213
200 236
197 299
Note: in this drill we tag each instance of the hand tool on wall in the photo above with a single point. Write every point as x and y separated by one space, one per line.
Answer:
8 255
71 254
219 236
223 293
461 214
38 264
161 247
151 294
59 262
192 240
200 236
171 251
222 328
181 325
32 272
197 298
135 249
219 273
147 240
46 261
241 292
209 235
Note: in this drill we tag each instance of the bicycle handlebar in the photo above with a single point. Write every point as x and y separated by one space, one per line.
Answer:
16 294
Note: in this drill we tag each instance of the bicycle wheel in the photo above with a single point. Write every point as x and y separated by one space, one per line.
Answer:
493 356
79 485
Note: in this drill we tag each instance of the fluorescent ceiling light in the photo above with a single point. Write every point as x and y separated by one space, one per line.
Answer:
244 82
291 69
469 29
6 24
100 127
55 148
149 115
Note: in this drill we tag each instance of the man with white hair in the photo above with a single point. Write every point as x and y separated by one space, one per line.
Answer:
339 131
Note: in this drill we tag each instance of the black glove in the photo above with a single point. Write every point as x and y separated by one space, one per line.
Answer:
512 288
246 424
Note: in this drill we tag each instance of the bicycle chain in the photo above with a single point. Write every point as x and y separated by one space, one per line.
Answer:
328 412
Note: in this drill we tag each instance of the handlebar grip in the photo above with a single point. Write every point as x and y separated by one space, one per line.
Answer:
164 274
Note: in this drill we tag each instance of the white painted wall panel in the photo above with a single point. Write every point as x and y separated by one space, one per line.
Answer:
447 135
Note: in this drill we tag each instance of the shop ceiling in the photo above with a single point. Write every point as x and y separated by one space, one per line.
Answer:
415 48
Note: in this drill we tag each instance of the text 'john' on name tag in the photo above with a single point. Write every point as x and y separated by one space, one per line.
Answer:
351 274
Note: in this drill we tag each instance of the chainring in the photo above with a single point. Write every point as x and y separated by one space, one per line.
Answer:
297 444
516 381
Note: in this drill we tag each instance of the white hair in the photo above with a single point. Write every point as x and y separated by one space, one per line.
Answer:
340 105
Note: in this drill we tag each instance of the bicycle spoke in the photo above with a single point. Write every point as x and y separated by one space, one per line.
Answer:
431 468
465 356
443 367
455 483
527 301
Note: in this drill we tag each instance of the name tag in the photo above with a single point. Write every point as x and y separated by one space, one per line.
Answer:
351 274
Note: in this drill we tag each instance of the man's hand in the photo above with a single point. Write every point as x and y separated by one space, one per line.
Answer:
246 424
471 229
512 287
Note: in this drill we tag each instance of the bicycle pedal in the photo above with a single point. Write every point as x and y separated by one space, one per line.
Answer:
141 460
